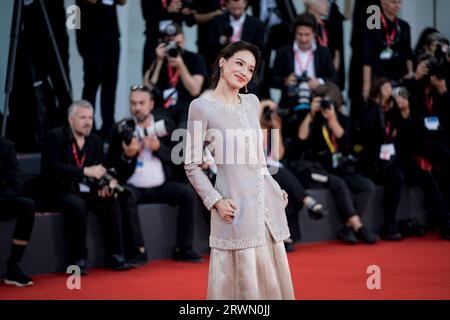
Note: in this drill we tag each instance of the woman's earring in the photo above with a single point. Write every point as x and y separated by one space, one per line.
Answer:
246 89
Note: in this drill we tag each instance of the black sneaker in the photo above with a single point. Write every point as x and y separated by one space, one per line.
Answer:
391 233
16 277
366 236
188 255
82 264
347 235
137 260
117 262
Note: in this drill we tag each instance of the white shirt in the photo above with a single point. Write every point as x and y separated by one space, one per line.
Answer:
268 8
306 59
149 171
238 27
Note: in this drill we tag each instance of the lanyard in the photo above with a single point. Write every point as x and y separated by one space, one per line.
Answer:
389 38
331 142
388 130
173 76
236 37
299 61
164 4
222 3
429 100
323 40
79 162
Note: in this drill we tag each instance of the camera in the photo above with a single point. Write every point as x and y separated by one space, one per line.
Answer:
400 92
437 62
301 89
160 129
126 129
325 103
172 49
107 179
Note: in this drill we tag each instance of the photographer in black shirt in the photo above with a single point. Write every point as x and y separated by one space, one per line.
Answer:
177 75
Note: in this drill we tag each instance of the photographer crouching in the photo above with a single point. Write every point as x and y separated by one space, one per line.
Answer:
77 182
323 136
140 150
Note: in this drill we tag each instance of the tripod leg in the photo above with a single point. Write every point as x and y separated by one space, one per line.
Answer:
55 48
15 29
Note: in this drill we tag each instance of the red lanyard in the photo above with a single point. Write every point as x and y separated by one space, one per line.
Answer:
429 100
236 37
173 76
388 131
79 162
323 40
222 3
389 38
164 3
299 61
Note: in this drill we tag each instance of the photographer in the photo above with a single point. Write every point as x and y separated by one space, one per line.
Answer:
177 74
274 149
300 68
385 124
158 14
14 205
387 51
141 153
324 133
75 178
234 25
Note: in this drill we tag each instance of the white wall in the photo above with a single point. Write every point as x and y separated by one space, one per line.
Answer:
418 13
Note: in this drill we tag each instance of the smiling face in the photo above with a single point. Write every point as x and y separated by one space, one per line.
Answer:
238 70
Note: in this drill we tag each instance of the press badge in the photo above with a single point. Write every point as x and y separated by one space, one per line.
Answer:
431 123
387 151
84 188
387 54
139 164
336 159
108 2
172 95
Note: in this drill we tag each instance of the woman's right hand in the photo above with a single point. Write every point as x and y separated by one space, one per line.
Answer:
226 209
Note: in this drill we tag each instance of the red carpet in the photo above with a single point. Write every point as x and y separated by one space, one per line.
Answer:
417 268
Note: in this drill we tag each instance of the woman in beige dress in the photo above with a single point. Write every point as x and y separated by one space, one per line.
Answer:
248 222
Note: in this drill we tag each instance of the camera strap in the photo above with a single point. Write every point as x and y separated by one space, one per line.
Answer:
429 100
323 37
390 38
79 162
330 140
390 135
174 77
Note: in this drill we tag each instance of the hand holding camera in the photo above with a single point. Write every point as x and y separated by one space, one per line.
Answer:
96 172
175 6
439 84
152 143
131 150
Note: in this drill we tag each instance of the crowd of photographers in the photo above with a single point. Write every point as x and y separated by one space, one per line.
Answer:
397 133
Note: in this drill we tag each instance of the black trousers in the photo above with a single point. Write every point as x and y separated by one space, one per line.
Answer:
131 224
75 210
352 192
437 210
21 208
100 65
176 194
296 193
392 179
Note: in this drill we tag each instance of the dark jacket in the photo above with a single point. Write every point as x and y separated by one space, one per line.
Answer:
252 32
126 167
373 123
59 169
284 65
11 180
